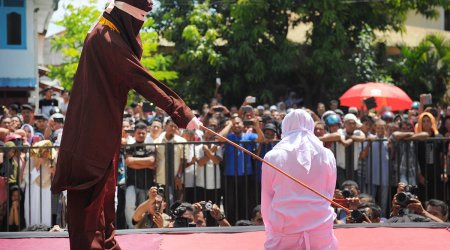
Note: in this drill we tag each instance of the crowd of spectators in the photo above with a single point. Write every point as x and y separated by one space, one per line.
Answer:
172 177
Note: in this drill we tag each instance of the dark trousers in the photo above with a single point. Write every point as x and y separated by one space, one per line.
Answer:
240 197
90 214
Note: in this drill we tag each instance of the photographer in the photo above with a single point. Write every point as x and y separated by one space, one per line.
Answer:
408 208
437 208
149 214
182 215
348 197
208 214
369 213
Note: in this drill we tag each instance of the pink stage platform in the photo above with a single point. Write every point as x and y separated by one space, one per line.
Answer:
406 236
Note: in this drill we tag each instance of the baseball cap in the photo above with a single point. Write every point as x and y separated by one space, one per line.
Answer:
27 107
270 126
352 117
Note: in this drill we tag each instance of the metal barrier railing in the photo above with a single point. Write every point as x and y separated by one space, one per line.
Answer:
235 182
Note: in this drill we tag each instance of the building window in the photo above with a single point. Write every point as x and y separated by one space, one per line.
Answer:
12 24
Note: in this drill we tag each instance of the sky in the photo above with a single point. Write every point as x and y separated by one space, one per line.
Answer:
59 14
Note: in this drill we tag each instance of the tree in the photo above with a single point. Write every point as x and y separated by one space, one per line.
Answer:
196 30
255 56
324 68
366 68
77 21
425 68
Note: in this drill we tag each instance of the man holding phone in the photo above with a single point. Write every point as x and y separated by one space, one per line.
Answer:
239 166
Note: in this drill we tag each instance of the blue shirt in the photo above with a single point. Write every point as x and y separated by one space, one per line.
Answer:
235 158
262 150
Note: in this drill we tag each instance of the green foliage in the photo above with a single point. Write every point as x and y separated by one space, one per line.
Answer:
244 42
425 68
366 68
77 21
196 28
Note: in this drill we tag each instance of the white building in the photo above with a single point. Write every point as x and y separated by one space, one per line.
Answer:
417 27
23 25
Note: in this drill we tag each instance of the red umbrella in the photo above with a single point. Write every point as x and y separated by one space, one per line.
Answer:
385 95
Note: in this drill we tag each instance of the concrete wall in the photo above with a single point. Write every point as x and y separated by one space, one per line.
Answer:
420 21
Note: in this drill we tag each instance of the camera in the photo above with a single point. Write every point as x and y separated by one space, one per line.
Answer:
178 210
347 193
403 198
206 205
160 190
358 215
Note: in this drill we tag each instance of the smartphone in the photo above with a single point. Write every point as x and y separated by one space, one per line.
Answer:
218 109
427 100
58 119
148 107
248 122
247 109
218 81
250 99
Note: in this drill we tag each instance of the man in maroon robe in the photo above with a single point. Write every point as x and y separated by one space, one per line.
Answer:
109 67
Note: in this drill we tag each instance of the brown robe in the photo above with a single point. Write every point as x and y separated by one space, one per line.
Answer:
108 69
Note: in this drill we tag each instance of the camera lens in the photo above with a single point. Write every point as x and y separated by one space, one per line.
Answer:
346 193
403 198
160 190
208 205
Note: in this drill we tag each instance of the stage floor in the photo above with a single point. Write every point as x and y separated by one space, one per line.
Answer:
418 236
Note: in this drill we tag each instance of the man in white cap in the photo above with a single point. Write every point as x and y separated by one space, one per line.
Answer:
294 217
347 151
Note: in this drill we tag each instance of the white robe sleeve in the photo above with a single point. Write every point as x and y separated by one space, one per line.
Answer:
267 178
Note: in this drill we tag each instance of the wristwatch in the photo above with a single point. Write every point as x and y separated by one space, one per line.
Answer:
222 217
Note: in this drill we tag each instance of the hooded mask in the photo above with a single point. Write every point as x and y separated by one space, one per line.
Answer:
128 17
298 136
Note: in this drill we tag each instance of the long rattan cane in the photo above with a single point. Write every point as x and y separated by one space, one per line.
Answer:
276 168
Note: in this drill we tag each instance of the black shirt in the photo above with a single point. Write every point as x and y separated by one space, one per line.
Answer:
140 178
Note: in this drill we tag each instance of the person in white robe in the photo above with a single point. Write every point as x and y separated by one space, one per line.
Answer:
37 177
295 217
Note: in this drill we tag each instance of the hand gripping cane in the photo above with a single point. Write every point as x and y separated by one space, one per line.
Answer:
277 169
